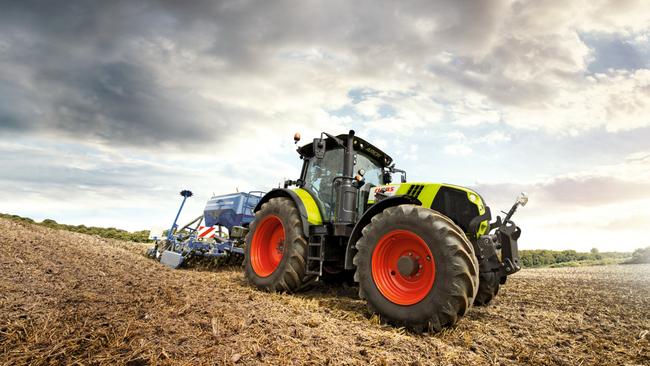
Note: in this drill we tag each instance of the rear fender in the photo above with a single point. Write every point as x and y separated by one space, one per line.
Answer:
365 220
309 211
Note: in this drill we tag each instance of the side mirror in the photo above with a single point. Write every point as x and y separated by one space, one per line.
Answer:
392 169
388 178
522 200
319 148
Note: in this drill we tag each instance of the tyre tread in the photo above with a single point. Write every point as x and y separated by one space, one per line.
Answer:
463 276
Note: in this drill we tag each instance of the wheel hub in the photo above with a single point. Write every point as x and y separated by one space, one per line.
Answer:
407 266
403 268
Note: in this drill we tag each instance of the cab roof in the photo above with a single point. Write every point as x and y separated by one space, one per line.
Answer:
360 146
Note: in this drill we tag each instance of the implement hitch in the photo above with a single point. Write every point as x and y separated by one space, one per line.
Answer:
504 239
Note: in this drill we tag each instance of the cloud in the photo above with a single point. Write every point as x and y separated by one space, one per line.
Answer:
458 149
122 73
626 180
126 102
568 192
604 206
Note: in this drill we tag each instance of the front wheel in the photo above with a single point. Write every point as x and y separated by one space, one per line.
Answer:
488 288
416 268
276 248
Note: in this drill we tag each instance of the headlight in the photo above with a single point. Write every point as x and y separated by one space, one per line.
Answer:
522 199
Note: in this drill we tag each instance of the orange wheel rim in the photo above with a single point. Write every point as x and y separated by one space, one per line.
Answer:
267 246
403 267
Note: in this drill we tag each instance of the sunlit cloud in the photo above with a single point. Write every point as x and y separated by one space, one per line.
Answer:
109 108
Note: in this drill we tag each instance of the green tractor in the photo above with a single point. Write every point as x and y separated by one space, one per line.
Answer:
422 253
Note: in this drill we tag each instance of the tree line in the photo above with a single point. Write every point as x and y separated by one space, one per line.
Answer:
529 258
641 255
110 232
558 258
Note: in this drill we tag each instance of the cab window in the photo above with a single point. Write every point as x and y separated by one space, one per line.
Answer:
321 173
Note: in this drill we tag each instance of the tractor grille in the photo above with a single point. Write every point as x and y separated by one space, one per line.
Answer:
415 190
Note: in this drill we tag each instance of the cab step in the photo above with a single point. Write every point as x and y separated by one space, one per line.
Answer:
315 250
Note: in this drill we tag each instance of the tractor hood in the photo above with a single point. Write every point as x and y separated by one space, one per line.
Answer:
461 204
360 146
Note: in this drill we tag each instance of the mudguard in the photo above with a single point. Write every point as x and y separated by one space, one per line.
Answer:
309 212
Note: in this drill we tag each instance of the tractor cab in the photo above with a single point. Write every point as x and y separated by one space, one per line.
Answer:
323 170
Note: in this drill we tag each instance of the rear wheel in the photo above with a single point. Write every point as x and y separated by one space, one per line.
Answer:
416 268
276 248
488 288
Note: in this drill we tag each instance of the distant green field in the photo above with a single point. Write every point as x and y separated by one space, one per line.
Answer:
570 258
110 233
529 258
589 262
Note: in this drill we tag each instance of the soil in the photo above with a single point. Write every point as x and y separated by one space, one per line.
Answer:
69 298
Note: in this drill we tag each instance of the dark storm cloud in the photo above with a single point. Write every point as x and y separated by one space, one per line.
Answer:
245 30
139 72
115 102
71 68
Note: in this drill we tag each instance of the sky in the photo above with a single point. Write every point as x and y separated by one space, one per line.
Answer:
109 108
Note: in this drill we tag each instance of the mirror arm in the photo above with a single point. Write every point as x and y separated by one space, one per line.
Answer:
336 139
392 169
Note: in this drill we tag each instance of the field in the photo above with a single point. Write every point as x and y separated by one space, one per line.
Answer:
70 298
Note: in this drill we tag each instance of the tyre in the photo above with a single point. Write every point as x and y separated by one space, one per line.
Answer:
276 248
487 289
416 268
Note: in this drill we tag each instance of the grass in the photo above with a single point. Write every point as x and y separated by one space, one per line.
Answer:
539 258
141 236
589 262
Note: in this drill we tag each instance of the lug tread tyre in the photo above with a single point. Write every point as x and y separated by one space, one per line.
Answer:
456 269
289 276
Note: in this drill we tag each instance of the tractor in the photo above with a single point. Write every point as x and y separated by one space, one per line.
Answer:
421 253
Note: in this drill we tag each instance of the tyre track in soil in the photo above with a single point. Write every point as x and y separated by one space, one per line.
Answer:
67 297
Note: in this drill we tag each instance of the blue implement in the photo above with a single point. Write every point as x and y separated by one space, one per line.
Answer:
232 211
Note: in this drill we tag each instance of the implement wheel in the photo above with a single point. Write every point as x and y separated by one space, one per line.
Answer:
416 268
276 249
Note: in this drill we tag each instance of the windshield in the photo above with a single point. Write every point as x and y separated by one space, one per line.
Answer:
321 173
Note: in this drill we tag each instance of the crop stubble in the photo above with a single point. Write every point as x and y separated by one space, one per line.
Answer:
67 297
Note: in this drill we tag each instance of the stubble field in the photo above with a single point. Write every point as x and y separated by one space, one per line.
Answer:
69 298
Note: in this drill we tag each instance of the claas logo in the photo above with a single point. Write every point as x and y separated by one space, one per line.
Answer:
383 190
